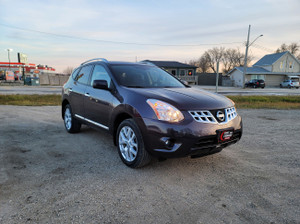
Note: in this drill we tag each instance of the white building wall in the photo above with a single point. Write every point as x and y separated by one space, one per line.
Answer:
283 64
237 77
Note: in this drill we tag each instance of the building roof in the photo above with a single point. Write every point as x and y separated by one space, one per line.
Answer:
262 71
269 59
252 69
170 64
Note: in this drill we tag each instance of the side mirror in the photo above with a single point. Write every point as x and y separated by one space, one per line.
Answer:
100 84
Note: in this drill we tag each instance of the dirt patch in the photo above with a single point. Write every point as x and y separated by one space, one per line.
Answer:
50 176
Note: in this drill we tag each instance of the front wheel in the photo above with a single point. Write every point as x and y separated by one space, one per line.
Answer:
131 146
71 124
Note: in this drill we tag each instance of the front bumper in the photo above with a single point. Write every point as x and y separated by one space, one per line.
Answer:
166 140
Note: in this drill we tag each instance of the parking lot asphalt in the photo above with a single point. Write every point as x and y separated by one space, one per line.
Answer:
50 176
221 89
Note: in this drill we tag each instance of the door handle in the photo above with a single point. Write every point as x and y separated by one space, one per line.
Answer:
87 94
70 90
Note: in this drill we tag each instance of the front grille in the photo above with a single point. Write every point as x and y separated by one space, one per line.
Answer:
212 141
230 114
206 116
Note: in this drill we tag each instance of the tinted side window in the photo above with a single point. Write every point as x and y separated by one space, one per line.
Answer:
84 74
100 73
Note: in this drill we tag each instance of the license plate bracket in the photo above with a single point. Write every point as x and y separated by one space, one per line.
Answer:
225 135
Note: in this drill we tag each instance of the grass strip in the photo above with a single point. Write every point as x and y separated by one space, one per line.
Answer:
242 102
267 102
31 100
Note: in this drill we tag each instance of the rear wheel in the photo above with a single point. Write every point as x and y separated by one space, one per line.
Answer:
281 86
131 146
72 125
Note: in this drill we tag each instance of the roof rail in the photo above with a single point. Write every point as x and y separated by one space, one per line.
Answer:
95 59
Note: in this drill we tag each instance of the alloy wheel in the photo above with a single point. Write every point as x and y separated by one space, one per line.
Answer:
128 144
68 118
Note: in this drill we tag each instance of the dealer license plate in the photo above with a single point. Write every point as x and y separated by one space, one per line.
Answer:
225 135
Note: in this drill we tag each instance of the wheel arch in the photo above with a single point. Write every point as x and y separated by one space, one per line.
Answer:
117 121
63 105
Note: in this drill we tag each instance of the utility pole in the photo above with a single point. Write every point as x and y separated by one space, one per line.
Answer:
8 51
246 56
217 78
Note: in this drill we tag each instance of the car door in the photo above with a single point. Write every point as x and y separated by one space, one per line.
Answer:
78 90
98 102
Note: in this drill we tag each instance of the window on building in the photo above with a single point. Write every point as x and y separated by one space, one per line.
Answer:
281 65
258 77
182 72
173 72
291 64
190 72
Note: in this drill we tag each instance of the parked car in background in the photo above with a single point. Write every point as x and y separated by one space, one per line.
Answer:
149 112
292 82
256 83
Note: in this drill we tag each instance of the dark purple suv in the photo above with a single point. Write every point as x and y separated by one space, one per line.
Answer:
149 112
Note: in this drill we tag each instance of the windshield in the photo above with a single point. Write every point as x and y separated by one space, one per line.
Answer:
144 76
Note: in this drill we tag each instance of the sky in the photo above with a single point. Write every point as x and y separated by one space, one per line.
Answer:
66 33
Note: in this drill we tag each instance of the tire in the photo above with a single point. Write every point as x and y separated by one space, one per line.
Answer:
129 137
71 124
289 87
297 87
280 86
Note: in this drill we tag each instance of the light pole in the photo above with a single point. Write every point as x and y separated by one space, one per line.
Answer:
246 54
8 51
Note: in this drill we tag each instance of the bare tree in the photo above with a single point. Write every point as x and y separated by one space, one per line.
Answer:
293 48
68 70
204 64
214 56
201 64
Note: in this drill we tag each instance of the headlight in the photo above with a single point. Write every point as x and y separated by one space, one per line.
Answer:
165 111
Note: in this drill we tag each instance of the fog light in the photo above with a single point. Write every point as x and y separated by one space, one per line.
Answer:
169 143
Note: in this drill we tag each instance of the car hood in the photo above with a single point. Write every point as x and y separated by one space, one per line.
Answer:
186 98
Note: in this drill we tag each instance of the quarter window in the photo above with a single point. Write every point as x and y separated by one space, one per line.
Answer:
84 74
100 73
75 72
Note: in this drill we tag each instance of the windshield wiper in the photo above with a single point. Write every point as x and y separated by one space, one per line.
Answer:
135 86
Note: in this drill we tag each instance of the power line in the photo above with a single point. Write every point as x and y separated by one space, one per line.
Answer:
262 48
116 42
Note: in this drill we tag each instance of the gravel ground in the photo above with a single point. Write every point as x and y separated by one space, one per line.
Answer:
50 176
